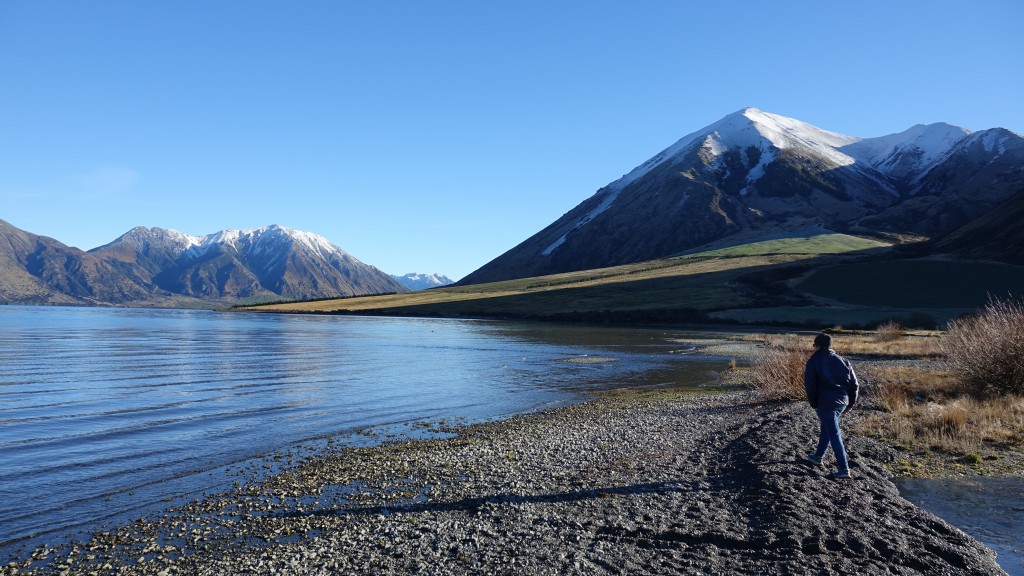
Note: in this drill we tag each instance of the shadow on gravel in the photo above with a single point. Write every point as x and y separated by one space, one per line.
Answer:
473 504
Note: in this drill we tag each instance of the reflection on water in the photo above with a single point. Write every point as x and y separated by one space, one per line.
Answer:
989 509
110 412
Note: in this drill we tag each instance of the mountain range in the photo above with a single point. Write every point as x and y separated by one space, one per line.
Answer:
156 266
754 174
415 281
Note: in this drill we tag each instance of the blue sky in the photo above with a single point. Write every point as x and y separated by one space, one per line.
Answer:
433 136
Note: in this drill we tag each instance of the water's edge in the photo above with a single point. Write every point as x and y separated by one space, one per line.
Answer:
989 509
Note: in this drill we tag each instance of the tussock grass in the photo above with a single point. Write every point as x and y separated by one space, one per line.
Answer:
930 408
962 426
908 344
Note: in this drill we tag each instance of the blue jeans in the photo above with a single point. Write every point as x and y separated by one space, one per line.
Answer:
830 435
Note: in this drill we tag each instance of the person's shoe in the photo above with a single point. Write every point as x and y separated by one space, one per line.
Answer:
813 460
841 474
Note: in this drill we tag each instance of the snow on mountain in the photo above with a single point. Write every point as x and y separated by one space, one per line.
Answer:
415 281
912 151
232 264
746 128
757 172
170 239
760 136
256 240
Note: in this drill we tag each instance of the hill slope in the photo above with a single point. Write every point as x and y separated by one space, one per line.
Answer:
998 234
758 172
40 270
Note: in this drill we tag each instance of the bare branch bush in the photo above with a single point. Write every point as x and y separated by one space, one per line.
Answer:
986 351
779 368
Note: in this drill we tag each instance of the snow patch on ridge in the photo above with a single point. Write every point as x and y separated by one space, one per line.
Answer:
745 128
913 150
605 204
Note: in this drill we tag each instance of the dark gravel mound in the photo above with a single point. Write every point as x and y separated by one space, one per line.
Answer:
708 486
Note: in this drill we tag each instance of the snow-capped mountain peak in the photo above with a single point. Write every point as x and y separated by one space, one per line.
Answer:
753 171
912 151
246 263
260 239
417 281
173 240
750 127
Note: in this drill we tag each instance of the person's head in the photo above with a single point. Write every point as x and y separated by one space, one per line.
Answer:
822 341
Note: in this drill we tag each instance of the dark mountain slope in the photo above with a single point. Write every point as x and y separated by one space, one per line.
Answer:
996 235
758 173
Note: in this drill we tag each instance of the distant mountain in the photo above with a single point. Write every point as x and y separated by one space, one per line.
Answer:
754 172
40 270
414 281
154 266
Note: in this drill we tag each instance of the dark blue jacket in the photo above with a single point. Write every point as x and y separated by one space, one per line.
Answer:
829 380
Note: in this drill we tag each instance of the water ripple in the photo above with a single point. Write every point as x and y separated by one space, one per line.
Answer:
109 412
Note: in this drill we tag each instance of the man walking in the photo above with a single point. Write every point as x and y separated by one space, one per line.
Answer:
831 387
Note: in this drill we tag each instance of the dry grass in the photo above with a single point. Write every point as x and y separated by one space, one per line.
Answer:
923 406
779 367
899 386
929 408
913 344
910 344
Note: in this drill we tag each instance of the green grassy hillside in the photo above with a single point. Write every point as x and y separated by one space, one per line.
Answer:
814 280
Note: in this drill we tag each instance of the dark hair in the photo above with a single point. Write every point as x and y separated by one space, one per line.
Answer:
822 341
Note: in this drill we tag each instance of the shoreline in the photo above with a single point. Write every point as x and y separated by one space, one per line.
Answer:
632 481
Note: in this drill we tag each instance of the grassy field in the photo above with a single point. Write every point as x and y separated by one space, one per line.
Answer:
800 244
924 283
809 280
841 314
669 290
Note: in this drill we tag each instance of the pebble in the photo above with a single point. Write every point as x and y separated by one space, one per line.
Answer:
597 488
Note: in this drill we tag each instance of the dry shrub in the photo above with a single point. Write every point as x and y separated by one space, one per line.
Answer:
779 368
986 351
890 331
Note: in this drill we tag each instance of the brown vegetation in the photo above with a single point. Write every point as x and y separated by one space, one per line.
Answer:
928 408
779 367
910 344
986 351
890 331
925 406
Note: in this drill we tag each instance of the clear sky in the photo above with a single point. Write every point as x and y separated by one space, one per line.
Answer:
431 136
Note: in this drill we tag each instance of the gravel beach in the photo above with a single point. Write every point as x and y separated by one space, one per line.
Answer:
656 483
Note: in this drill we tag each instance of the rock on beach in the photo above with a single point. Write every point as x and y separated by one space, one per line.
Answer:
674 485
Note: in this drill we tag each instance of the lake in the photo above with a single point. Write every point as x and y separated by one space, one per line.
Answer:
989 509
110 414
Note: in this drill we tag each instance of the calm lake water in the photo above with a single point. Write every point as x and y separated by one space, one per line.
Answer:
107 414
989 509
